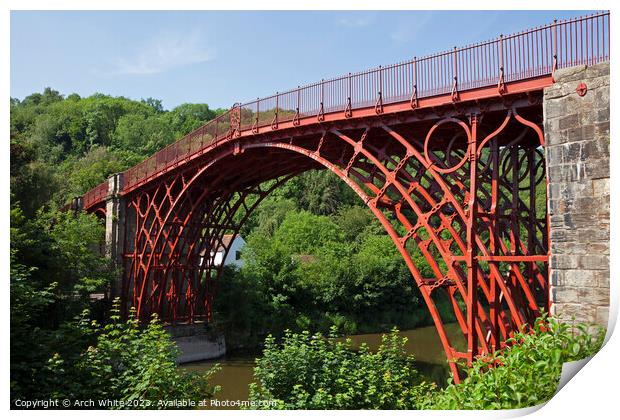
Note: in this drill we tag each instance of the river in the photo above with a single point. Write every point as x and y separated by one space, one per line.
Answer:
236 372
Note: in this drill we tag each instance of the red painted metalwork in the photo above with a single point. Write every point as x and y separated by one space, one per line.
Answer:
582 89
461 190
445 150
529 57
95 196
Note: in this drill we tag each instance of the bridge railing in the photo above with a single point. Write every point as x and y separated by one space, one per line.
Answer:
95 195
533 53
174 153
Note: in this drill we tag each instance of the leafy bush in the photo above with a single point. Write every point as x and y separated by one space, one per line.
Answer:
63 248
313 372
55 264
127 363
28 343
526 373
58 353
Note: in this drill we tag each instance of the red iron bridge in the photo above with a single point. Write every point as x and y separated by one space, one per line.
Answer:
447 150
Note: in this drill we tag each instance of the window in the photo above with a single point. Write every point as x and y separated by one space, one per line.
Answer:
237 255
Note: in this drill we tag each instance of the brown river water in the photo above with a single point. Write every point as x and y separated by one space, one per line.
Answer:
236 372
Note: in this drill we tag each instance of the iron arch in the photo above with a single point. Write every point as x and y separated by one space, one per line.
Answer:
456 223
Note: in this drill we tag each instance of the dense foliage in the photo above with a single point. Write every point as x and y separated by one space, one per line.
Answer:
55 265
61 147
526 373
57 351
307 271
310 372
127 363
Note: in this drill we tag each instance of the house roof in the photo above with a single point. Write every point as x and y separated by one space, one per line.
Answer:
226 241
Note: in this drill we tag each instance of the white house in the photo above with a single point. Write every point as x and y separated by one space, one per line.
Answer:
234 251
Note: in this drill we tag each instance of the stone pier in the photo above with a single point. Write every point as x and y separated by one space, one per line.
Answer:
576 123
197 343
114 227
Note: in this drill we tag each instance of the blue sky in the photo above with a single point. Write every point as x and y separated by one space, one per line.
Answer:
223 57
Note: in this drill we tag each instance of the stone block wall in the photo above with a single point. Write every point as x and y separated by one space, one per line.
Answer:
577 157
115 227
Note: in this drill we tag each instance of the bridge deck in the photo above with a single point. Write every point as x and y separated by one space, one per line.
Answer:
507 65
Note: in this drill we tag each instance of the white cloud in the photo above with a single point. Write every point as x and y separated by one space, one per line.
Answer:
354 21
165 52
407 29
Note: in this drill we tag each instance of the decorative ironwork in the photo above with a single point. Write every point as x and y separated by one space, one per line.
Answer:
465 197
582 89
458 182
525 56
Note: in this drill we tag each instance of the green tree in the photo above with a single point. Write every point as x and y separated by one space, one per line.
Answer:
65 250
144 134
154 103
188 117
268 216
81 174
32 182
304 232
50 96
357 222
319 192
